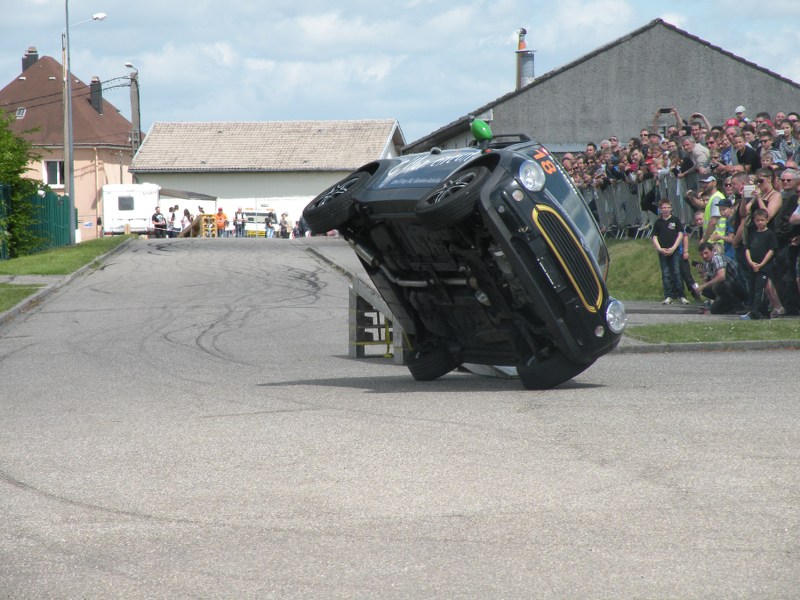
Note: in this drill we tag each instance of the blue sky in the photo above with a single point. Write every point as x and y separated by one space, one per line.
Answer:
422 62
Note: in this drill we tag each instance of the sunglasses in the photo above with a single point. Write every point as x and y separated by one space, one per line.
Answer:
728 184
762 180
787 180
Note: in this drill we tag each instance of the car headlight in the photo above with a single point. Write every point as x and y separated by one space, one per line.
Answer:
531 176
616 317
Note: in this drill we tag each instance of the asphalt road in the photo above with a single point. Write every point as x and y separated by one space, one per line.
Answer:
185 423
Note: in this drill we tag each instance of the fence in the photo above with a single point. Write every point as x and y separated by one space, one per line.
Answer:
50 219
619 209
5 205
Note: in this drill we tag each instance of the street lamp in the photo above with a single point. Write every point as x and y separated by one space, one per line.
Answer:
68 137
136 112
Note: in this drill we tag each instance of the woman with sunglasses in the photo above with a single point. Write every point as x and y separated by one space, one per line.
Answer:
765 197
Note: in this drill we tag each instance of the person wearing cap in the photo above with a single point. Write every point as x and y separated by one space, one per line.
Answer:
711 211
722 236
739 112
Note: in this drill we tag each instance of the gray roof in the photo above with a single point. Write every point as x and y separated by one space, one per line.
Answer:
266 146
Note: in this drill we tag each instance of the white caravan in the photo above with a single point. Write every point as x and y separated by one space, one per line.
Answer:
128 208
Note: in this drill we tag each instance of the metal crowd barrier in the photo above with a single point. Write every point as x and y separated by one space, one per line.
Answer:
619 209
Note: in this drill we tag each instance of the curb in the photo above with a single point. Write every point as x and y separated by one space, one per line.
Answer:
39 296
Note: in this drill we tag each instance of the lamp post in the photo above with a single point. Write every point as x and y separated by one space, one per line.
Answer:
69 158
136 111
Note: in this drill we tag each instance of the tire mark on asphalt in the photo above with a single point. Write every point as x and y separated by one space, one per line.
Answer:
26 487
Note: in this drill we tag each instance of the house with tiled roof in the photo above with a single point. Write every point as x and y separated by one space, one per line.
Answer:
260 164
101 135
618 88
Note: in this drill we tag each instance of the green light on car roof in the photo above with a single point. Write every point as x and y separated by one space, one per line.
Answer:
481 130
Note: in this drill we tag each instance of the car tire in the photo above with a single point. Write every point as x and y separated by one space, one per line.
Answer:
335 206
454 200
430 362
549 373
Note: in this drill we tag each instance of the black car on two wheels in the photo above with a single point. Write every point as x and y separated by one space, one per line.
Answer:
486 256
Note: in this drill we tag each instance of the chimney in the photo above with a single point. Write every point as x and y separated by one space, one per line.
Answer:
96 94
31 56
524 60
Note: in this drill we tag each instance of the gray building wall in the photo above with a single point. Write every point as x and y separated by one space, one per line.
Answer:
617 89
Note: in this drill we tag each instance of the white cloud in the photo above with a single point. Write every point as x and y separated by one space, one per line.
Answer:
424 62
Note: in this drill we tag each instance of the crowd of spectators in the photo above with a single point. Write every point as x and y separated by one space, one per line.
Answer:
750 163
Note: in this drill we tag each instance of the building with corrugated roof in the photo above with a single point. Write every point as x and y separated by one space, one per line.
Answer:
260 164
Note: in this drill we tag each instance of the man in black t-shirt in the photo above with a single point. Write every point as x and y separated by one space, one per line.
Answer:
759 250
159 223
746 156
667 237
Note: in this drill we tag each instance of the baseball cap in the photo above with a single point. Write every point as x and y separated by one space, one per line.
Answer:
732 122
708 178
739 109
725 202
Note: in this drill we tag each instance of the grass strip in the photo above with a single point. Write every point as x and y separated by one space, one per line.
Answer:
727 331
61 261
12 294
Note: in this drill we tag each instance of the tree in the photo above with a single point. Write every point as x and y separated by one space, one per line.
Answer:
16 220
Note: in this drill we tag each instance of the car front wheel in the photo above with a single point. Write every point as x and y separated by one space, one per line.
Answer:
546 374
430 362
454 200
335 206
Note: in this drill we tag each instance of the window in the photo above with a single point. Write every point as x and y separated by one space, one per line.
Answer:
54 172
125 202
21 112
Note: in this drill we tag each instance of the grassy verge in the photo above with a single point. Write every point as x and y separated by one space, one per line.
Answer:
726 331
59 261
11 294
635 273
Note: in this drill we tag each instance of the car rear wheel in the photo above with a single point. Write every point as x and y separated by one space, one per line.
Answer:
430 362
453 201
536 375
334 207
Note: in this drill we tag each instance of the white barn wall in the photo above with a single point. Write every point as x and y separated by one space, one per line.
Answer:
285 192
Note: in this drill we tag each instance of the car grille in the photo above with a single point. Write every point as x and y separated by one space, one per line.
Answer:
569 252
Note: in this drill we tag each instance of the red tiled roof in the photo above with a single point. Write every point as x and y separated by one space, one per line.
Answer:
39 90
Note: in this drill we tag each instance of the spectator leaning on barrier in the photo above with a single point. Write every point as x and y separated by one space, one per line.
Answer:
699 154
